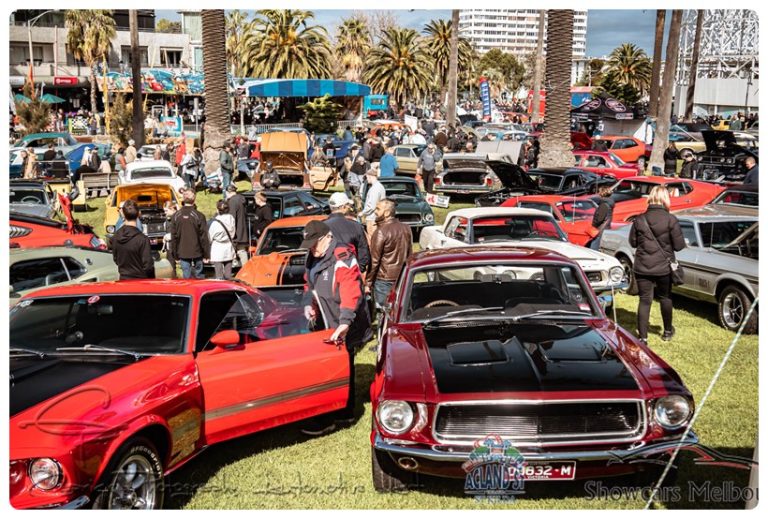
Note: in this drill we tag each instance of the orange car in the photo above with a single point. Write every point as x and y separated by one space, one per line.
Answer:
626 147
277 259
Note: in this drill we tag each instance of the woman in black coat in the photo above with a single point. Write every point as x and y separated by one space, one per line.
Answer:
670 160
656 234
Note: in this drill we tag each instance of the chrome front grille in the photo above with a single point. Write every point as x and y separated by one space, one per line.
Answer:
409 218
540 422
595 277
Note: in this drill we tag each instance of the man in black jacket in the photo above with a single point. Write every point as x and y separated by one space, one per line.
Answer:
348 231
50 153
130 247
263 216
603 216
237 208
189 237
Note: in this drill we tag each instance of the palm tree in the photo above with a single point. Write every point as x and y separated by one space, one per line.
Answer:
653 105
241 42
398 66
630 66
496 81
453 69
537 71
89 39
353 42
694 65
556 141
438 46
217 129
288 47
137 113
661 138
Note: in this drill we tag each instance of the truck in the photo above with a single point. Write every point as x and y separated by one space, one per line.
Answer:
375 106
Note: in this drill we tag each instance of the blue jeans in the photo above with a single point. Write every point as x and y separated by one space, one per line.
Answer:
227 179
381 290
192 268
595 243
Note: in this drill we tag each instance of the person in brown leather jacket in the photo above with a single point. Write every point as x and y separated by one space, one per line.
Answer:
391 246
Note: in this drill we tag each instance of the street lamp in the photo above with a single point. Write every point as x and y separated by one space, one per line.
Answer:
30 23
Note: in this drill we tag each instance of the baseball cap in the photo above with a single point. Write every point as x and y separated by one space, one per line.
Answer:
339 200
313 232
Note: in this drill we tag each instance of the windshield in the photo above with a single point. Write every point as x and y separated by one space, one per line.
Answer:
576 210
634 188
727 237
151 173
27 196
748 198
127 322
396 189
522 227
616 160
517 288
546 181
281 240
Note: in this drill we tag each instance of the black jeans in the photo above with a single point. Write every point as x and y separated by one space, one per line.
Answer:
646 286
428 176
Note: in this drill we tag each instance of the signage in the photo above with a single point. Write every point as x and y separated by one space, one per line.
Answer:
485 97
624 116
65 81
412 122
437 200
174 125
155 81
17 80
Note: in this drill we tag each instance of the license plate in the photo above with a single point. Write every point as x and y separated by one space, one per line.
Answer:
538 471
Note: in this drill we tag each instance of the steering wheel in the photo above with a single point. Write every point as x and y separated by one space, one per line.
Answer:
31 199
441 302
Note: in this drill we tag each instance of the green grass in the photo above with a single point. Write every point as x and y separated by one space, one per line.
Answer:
282 469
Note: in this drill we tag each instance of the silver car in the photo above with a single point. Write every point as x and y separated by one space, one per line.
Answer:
720 261
33 198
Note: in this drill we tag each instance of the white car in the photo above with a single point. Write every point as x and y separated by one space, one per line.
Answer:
529 228
151 172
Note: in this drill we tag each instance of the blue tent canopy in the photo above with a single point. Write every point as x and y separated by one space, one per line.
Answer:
304 88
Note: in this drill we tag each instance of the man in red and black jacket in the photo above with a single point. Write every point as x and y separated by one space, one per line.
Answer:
334 289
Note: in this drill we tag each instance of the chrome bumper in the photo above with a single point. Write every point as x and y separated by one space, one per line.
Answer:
617 455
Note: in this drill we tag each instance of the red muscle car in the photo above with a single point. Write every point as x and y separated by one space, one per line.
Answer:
506 345
114 385
627 148
605 163
631 195
31 231
574 215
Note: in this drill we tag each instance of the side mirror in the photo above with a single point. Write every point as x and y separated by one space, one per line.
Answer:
226 338
604 301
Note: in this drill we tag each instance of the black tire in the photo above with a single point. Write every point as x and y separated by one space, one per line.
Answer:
732 306
387 477
141 451
627 266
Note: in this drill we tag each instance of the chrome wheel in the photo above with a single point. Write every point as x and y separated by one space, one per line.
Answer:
732 310
134 486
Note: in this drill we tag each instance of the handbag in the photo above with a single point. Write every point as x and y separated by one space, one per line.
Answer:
676 270
235 260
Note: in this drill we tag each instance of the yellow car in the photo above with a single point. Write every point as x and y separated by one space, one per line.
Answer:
694 142
150 198
722 124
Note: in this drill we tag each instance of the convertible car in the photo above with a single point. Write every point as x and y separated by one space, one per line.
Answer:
524 228
106 398
511 343
720 260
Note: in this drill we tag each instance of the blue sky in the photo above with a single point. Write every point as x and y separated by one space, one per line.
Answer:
606 29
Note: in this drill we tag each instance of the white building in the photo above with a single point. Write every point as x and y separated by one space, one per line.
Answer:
514 30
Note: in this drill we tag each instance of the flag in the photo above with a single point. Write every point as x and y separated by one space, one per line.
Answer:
485 97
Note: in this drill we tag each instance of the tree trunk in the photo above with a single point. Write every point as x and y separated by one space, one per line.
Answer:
556 140
137 119
217 128
93 89
653 107
453 69
694 66
660 141
535 115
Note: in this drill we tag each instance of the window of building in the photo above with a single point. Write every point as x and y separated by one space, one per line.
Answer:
125 55
170 57
20 54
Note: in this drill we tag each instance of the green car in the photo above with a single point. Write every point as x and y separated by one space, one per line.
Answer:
412 209
32 269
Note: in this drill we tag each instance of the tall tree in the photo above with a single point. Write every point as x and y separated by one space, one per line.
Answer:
535 116
89 39
353 42
653 107
512 69
241 43
164 25
556 140
137 118
453 69
398 66
290 48
438 46
660 140
630 66
694 65
217 129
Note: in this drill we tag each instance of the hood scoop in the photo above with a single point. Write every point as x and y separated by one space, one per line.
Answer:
481 353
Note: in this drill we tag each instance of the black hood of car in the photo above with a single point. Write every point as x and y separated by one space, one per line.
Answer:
719 141
538 356
512 175
35 380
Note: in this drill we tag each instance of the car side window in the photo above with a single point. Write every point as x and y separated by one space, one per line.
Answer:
689 233
74 267
309 202
226 311
292 206
25 275
628 143
402 152
450 229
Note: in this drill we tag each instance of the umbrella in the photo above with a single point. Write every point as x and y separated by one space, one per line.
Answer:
51 99
21 98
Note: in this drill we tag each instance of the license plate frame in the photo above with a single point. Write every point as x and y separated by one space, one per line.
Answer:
544 471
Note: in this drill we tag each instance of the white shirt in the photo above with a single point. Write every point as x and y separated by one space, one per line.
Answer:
221 246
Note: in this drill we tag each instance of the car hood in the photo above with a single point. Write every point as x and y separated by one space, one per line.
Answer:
720 140
512 175
581 254
284 160
40 210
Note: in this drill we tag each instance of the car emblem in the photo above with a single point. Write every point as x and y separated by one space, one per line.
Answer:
93 299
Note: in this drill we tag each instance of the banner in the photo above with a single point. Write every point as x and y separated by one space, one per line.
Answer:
437 200
174 125
156 81
485 97
412 122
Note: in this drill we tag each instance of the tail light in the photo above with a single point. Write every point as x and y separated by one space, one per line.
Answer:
488 181
437 181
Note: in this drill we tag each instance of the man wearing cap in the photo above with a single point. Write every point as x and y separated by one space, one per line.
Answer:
346 230
130 152
374 195
237 208
270 179
427 164
333 277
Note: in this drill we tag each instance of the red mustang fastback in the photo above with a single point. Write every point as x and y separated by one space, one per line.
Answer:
574 215
489 345
605 163
32 231
114 385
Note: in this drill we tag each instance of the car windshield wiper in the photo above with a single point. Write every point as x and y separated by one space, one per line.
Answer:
27 351
542 313
102 349
463 311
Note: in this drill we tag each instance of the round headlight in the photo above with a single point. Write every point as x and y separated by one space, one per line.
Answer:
45 473
111 229
429 218
395 416
672 411
616 274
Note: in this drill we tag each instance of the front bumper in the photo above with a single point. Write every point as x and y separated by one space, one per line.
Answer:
601 288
